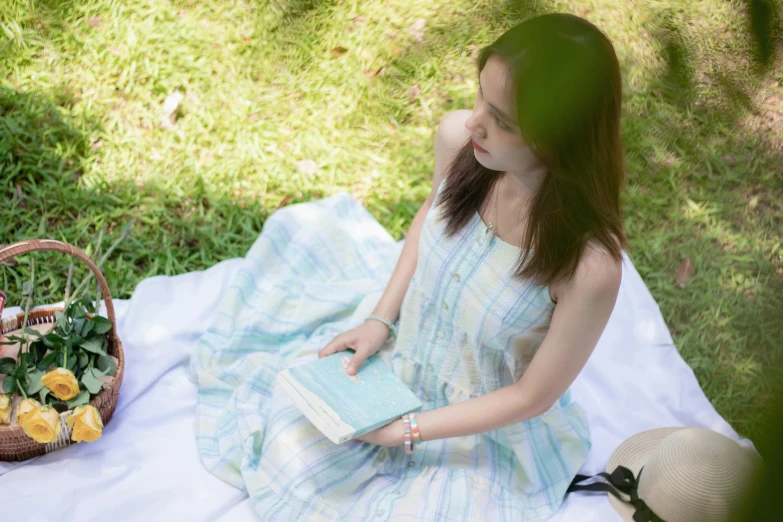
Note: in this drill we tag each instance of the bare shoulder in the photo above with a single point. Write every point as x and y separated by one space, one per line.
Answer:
597 274
449 139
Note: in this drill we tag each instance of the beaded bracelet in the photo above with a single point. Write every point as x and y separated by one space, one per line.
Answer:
389 324
411 433
415 432
406 425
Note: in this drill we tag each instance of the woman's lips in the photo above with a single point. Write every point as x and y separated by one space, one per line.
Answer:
478 147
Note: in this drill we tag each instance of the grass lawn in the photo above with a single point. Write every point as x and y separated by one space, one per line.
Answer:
285 102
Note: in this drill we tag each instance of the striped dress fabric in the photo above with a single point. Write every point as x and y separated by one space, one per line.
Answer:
466 328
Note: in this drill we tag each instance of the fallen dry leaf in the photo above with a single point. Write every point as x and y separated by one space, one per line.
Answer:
729 160
20 197
413 92
307 166
172 102
285 201
417 29
192 98
376 72
339 51
685 272
94 21
170 106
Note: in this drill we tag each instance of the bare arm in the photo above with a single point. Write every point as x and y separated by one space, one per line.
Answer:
581 313
450 136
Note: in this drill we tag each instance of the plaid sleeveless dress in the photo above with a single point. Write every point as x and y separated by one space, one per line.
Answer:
466 328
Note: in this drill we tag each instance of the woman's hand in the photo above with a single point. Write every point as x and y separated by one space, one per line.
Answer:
390 435
366 339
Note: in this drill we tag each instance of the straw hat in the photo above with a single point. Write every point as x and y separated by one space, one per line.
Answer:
687 475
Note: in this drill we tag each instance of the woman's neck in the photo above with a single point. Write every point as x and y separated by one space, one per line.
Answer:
518 188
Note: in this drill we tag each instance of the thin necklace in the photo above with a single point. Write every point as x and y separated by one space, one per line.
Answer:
490 228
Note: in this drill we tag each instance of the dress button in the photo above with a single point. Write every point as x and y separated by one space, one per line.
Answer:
426 397
480 240
441 334
396 491
411 464
379 513
445 306
456 277
430 367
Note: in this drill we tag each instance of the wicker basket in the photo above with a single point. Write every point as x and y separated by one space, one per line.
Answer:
14 444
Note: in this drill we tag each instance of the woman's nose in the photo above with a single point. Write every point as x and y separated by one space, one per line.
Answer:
473 127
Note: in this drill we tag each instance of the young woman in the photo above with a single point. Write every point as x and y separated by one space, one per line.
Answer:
506 280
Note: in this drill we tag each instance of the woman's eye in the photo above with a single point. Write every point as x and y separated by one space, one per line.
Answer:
497 120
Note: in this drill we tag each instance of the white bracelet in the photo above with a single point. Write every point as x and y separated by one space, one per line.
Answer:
392 328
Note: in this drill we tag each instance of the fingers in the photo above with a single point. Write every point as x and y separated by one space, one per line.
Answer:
362 352
355 363
335 345
360 347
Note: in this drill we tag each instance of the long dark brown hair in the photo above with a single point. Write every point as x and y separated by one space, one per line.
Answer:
568 93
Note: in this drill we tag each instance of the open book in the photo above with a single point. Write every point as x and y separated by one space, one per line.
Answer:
344 407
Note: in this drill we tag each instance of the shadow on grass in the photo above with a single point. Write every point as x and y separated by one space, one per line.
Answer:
702 184
178 229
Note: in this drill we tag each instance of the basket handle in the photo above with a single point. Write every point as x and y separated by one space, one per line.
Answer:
34 245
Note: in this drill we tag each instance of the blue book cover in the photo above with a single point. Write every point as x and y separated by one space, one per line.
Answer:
344 407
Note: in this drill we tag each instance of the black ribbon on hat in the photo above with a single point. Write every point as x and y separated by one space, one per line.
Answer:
621 480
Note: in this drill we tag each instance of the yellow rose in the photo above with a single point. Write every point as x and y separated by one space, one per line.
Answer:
25 407
42 424
62 383
5 409
86 423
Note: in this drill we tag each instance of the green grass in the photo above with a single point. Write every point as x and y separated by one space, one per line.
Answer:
267 85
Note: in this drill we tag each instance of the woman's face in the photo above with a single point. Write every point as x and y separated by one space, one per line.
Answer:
493 124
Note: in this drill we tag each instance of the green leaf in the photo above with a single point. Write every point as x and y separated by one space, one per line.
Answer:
71 363
87 300
47 361
84 359
73 339
78 312
8 384
21 367
82 326
91 382
61 319
80 400
34 383
102 325
7 365
107 365
43 393
30 331
98 372
52 340
37 350
95 345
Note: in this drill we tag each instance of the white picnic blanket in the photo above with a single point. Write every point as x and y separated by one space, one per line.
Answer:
146 467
